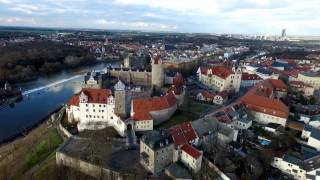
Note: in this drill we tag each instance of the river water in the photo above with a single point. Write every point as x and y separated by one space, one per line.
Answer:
40 98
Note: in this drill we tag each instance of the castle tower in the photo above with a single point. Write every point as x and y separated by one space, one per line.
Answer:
157 72
126 62
120 99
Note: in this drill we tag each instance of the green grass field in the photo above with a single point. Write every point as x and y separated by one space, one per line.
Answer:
43 149
178 118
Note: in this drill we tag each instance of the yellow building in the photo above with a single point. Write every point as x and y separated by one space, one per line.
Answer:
310 78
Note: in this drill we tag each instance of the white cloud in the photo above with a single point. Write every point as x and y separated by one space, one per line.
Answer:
5 1
185 6
25 8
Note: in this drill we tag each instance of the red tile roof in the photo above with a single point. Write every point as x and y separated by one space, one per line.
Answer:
221 71
208 95
99 96
178 80
143 107
191 151
247 76
178 136
188 131
266 105
278 84
74 101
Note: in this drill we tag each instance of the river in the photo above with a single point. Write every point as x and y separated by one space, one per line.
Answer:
40 98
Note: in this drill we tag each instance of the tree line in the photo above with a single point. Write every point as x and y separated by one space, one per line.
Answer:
26 61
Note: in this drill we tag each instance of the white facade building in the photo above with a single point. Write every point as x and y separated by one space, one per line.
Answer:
220 78
191 157
94 109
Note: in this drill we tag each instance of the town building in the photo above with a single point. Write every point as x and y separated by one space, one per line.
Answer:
299 86
249 80
210 97
147 112
184 134
304 165
95 109
264 102
312 135
191 157
310 78
220 78
156 151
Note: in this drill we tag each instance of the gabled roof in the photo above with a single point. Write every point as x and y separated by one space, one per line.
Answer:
99 96
143 107
277 84
178 136
74 101
221 71
247 76
207 94
266 105
188 131
182 134
193 152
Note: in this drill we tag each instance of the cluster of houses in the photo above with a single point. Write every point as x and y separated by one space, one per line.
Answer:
159 149
263 103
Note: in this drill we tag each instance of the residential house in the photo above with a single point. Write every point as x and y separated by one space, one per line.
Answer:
191 157
156 150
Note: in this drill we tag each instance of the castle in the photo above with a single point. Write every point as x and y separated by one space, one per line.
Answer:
97 109
120 107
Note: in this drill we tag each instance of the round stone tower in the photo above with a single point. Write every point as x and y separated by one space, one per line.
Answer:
120 99
157 72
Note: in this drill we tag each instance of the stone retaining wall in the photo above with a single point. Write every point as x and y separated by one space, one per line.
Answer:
91 169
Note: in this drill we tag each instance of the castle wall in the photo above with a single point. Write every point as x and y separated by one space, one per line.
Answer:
136 77
163 115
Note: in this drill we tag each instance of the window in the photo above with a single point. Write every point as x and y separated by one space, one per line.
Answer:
99 105
86 105
94 110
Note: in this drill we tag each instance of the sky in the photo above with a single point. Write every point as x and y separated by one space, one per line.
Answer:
267 17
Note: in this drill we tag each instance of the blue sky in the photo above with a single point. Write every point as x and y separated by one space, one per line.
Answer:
299 17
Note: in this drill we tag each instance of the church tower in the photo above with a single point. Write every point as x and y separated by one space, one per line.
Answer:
157 72
120 99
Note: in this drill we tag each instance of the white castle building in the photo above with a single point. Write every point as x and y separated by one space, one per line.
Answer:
94 109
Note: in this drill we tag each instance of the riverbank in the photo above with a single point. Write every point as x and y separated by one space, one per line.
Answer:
24 153
27 130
